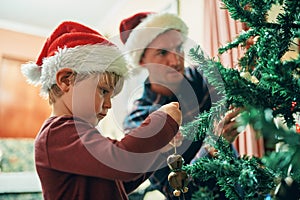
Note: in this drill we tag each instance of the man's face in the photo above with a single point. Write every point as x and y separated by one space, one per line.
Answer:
164 58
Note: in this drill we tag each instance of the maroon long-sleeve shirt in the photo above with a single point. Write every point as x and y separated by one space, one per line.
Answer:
74 161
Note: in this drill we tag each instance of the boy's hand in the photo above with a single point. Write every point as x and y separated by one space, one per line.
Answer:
173 110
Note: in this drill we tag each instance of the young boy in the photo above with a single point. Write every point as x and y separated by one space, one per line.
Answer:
79 71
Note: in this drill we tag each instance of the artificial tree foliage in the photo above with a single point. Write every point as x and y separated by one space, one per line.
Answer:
267 87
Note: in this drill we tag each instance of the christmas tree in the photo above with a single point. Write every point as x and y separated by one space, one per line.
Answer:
267 87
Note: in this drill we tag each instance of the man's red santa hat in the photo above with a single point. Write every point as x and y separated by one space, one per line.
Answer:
139 30
73 45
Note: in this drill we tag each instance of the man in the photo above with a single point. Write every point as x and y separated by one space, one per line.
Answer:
155 41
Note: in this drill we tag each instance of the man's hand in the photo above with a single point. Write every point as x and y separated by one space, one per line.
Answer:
227 127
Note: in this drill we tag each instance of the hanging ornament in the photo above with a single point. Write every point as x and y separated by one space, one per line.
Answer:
294 103
287 188
178 178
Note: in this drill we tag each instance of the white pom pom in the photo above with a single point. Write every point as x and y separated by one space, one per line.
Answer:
32 72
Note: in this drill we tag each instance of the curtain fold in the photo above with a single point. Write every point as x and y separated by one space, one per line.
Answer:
219 29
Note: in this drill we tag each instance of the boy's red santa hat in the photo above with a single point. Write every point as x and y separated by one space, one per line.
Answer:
139 30
73 45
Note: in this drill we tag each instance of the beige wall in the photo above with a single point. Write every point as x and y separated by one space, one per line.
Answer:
191 11
19 45
22 110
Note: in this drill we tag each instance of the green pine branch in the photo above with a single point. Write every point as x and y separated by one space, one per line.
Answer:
271 89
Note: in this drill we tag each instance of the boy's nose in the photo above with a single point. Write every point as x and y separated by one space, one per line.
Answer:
107 103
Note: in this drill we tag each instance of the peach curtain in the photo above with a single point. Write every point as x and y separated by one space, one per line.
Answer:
220 28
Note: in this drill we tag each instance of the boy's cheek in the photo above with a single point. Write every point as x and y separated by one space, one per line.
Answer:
83 103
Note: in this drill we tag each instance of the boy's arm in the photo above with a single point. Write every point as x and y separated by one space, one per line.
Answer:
80 149
135 118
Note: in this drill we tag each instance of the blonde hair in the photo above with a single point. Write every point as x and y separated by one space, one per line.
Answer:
112 79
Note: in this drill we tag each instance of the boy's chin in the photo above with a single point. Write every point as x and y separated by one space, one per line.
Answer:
174 78
94 122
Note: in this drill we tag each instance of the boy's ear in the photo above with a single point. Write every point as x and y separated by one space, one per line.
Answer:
64 79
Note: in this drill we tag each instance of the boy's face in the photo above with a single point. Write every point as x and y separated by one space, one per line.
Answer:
164 58
91 99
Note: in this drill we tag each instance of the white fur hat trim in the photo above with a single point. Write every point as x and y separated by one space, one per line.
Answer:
144 33
88 58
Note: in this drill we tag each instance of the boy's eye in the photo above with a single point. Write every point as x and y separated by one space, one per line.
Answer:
163 52
103 91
